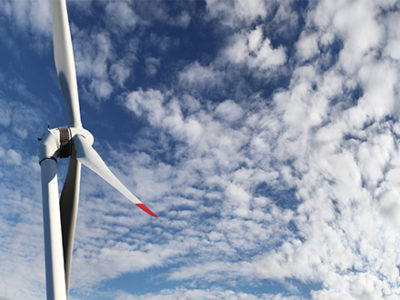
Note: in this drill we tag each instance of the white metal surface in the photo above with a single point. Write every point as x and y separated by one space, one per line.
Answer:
55 278
64 59
69 201
91 159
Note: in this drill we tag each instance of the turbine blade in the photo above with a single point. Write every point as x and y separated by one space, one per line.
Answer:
69 201
91 159
64 59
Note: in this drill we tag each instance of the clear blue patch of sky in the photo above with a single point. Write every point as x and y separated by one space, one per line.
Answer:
283 198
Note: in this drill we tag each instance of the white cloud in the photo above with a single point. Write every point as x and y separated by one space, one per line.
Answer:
93 55
102 89
229 111
239 200
120 73
254 51
357 24
32 16
112 266
393 46
21 223
13 157
149 101
379 83
196 75
169 115
194 294
338 164
121 14
233 13
152 65
307 46
255 39
183 19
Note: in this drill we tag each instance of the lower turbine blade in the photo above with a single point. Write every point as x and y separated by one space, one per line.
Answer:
91 159
69 210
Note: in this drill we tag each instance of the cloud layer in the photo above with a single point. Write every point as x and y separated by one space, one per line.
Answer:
270 154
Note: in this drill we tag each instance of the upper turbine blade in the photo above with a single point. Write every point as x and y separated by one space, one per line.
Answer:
89 157
69 201
64 59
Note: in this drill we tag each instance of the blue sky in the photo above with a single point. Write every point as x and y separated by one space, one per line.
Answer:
263 133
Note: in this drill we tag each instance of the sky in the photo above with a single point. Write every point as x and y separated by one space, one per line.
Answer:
264 134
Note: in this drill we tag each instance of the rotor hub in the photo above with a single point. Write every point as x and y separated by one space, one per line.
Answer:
58 142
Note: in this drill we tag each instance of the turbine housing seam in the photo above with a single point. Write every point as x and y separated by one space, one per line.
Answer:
50 144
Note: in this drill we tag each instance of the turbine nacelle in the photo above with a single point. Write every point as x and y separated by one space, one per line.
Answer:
58 142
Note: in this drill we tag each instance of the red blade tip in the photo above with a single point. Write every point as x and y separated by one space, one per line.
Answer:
146 209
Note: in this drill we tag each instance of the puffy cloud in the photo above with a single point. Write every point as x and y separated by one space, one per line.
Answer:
307 46
235 12
121 15
393 47
254 51
13 157
152 65
229 111
151 103
183 20
120 73
147 101
93 53
34 16
201 77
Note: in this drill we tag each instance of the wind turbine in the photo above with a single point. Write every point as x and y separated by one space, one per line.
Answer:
75 142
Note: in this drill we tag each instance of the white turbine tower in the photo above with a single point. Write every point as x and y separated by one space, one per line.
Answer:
59 215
